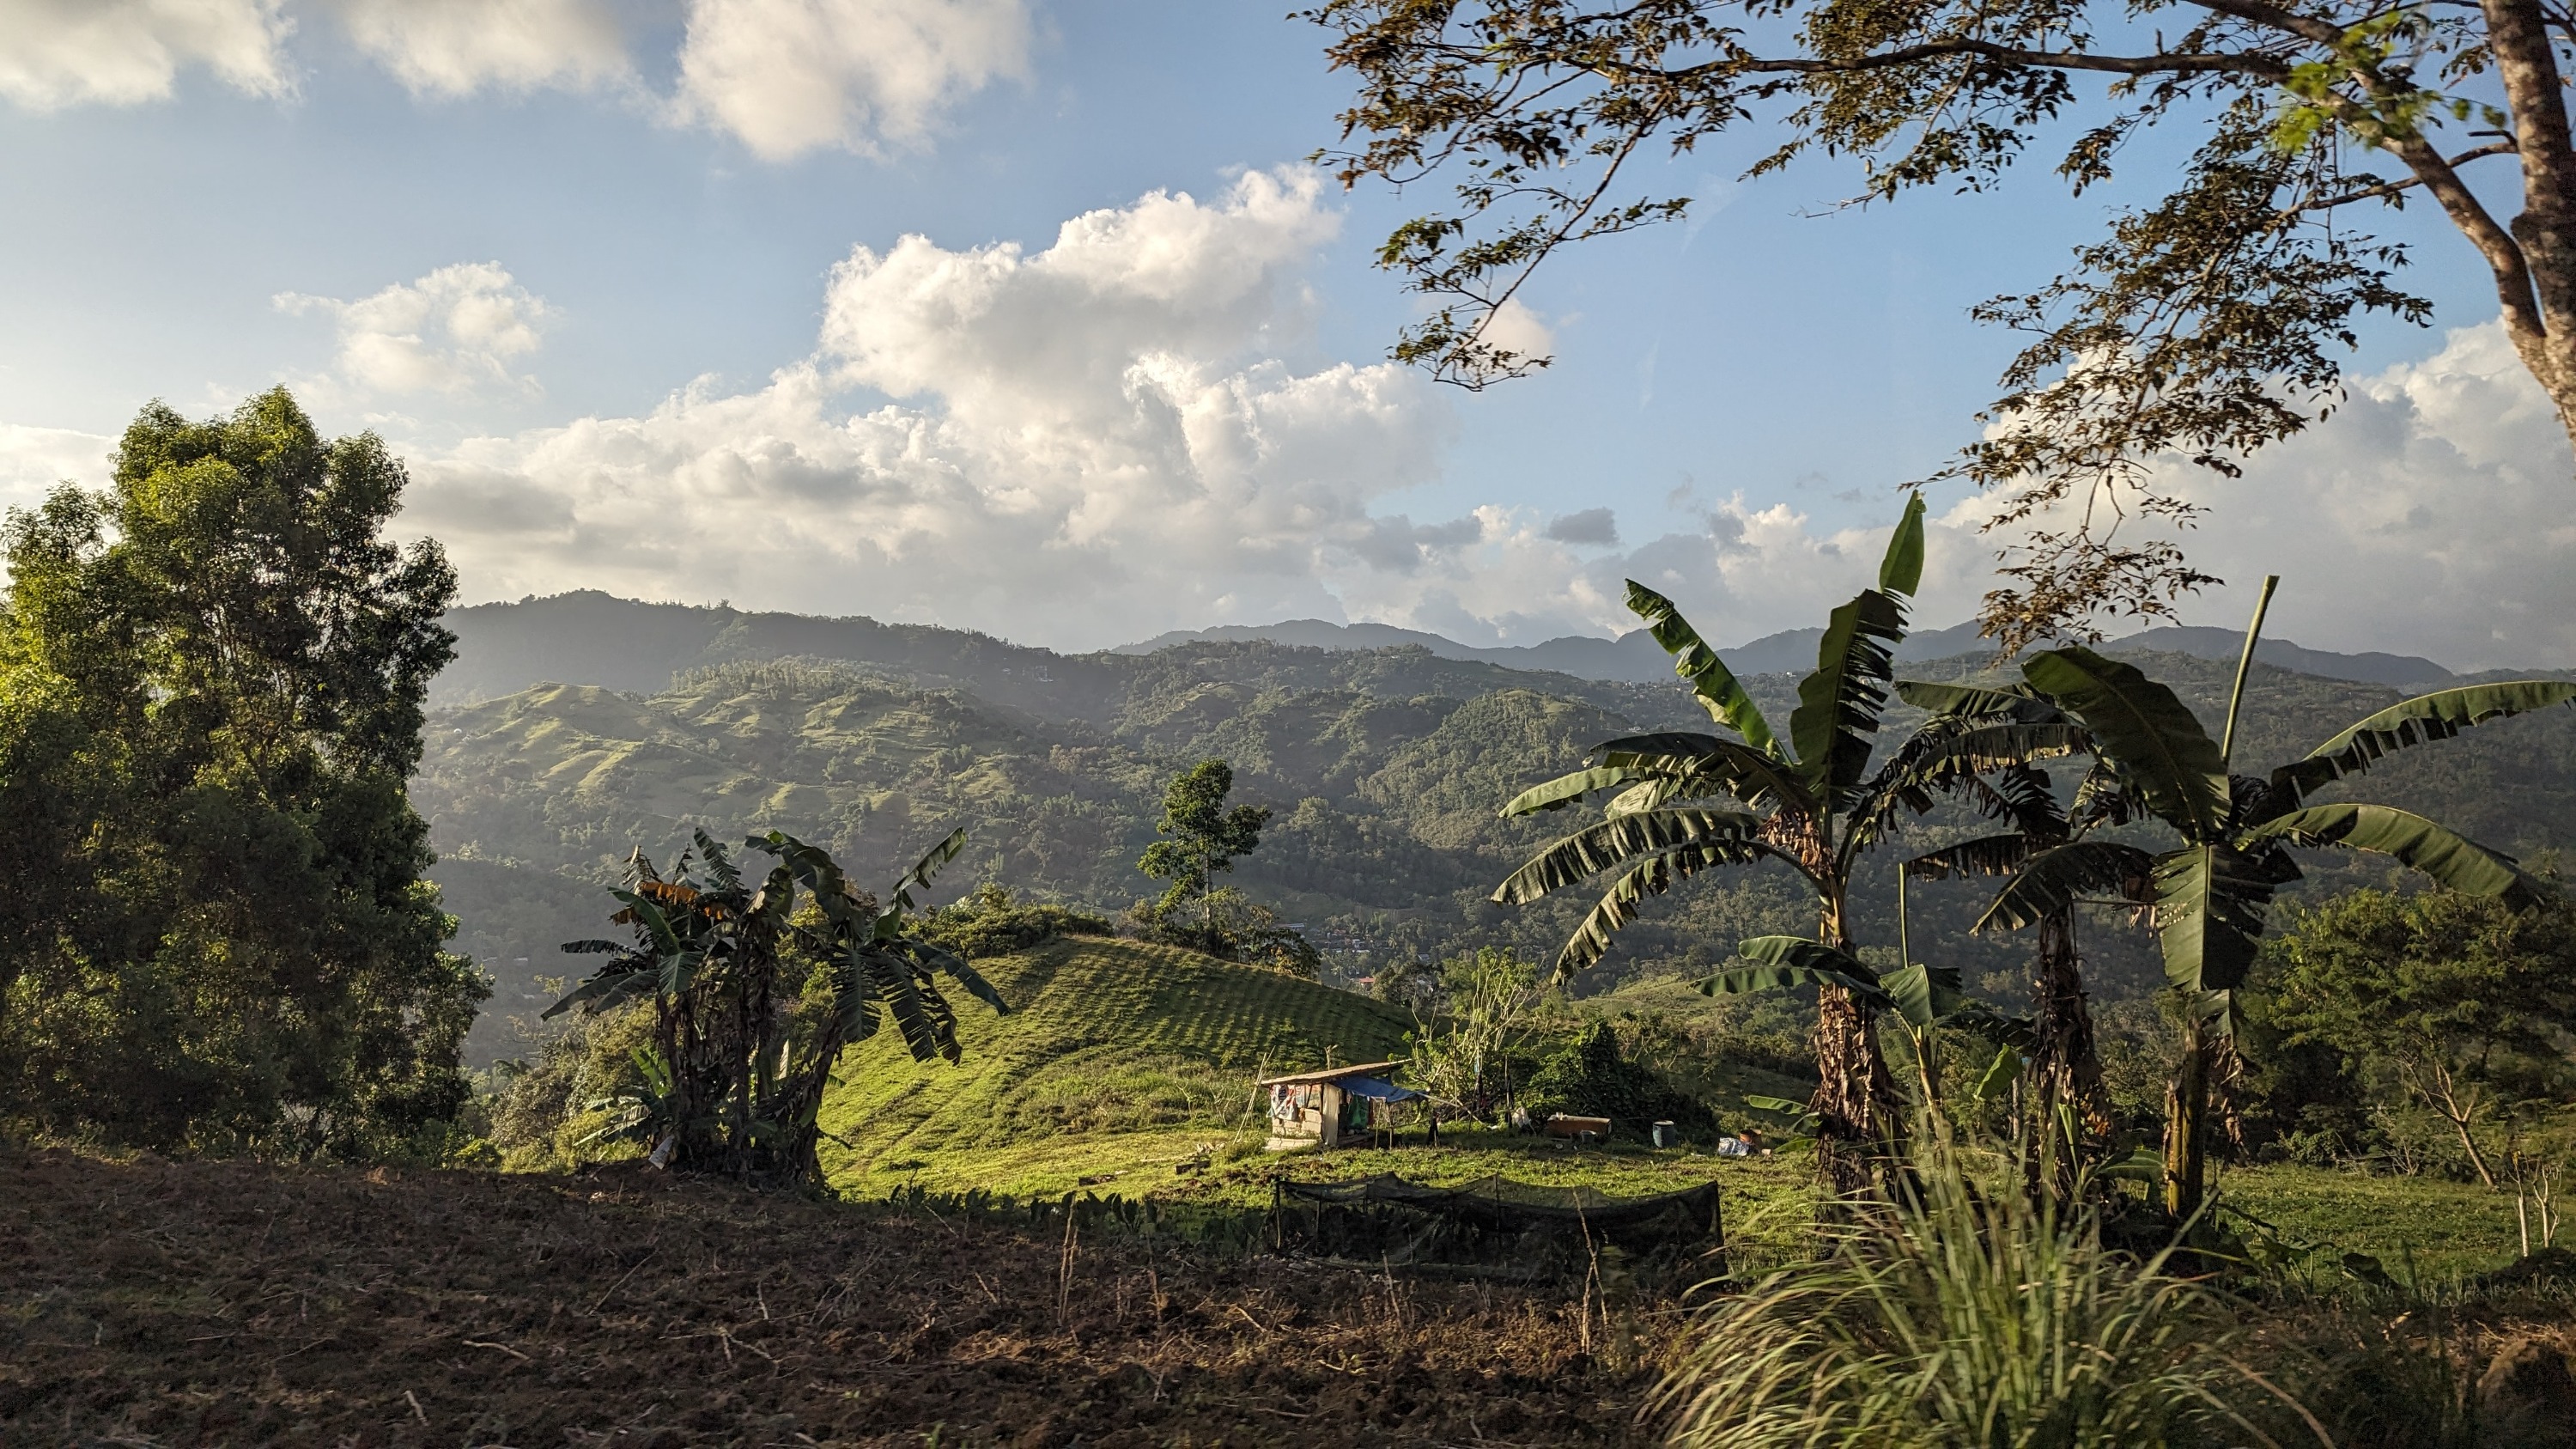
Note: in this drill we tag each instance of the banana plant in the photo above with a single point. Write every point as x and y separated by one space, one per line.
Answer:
1678 803
2017 793
2209 894
741 1074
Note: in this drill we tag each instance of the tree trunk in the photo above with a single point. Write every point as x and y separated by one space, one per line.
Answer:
2067 1068
2533 259
2187 1124
1860 1123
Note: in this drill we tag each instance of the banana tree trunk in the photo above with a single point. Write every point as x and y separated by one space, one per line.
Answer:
2187 1125
2065 1066
1860 1124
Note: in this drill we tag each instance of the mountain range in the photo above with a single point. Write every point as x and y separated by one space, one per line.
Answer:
575 730
588 637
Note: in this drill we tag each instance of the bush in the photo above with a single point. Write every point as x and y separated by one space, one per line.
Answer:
1591 1076
990 923
1967 1318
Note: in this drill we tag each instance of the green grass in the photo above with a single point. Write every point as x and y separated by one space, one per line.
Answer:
1117 1058
1121 1062
2443 1229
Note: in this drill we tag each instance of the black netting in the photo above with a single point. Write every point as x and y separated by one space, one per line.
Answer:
1492 1222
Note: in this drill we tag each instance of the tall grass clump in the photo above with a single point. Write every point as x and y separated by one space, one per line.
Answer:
1949 1316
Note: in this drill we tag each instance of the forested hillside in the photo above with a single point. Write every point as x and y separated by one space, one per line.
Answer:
1384 768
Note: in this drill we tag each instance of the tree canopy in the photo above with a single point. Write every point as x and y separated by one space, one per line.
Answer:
2202 325
211 675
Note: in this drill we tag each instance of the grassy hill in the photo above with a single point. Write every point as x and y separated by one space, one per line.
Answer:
1116 1055
1384 770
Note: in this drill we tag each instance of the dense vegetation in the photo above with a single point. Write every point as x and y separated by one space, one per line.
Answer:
216 934
1384 769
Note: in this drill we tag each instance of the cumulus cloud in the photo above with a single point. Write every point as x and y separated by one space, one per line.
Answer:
2434 514
1084 444
1597 527
457 329
792 76
457 47
34 460
57 53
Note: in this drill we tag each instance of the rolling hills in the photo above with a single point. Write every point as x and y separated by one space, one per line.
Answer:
1116 1056
1383 769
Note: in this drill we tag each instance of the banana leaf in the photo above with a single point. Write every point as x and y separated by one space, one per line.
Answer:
2448 857
2440 715
1649 877
1840 703
2166 760
1716 686
1615 841
2052 879
1565 790
2210 906
1900 570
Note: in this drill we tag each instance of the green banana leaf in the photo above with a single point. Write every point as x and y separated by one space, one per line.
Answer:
2013 701
1900 571
1693 659
2052 879
2438 851
1616 841
2440 715
1839 704
2165 758
1565 790
2210 905
1649 877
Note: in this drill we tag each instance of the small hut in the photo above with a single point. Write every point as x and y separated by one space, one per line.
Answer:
1322 1108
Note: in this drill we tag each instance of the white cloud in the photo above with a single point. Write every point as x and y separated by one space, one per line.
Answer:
791 76
2434 514
456 329
1094 441
57 53
34 460
457 47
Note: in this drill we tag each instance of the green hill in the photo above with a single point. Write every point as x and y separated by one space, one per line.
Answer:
1117 1057
1384 770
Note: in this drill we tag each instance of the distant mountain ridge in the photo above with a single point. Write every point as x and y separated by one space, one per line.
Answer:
589 637
1635 658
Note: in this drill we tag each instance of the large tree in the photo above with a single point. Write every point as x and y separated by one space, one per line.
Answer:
217 933
2204 324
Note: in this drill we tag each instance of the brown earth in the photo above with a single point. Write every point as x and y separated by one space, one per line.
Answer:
157 1303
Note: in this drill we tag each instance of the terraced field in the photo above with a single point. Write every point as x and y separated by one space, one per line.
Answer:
1116 1057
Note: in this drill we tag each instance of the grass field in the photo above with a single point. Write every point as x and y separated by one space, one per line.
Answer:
1117 1059
1121 1065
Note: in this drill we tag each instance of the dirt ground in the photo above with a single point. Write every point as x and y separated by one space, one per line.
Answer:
162 1304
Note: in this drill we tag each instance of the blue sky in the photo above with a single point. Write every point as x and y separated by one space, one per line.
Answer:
591 267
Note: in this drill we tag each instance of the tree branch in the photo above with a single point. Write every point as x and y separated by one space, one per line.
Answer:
2391 188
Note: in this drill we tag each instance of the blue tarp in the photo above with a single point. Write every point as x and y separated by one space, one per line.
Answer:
1376 1089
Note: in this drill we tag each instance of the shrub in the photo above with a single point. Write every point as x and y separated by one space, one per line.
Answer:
1961 1318
990 923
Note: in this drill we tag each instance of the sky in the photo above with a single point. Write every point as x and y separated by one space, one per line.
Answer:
1031 316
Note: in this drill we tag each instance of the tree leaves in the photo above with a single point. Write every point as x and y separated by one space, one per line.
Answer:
1616 841
1568 789
2440 715
2166 760
1693 659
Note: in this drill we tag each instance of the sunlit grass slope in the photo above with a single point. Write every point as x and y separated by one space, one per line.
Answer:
1116 1057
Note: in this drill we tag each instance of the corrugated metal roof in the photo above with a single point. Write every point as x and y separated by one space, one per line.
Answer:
1329 1074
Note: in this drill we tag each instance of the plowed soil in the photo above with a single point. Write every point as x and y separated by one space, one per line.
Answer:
155 1303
